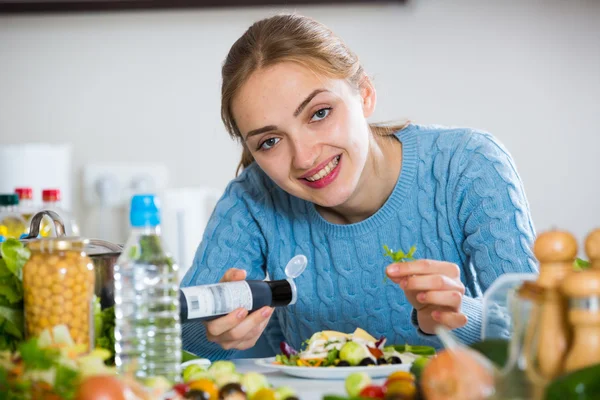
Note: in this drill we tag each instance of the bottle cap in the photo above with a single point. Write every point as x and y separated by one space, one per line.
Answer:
24 193
51 195
284 292
9 199
144 211
296 266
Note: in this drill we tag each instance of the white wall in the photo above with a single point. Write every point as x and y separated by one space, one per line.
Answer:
526 70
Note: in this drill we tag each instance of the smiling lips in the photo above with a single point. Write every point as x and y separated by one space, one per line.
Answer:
324 175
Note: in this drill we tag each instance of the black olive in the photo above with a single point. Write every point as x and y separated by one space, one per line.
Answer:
366 361
197 395
232 391
381 361
395 360
343 364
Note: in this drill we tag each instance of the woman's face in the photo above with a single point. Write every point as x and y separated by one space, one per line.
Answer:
308 133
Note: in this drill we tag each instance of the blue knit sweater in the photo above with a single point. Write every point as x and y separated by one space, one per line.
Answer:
458 198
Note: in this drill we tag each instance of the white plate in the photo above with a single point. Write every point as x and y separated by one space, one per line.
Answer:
374 371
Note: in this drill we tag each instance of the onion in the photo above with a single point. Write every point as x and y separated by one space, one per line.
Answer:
458 374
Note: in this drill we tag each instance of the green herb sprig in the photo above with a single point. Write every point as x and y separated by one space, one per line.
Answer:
399 255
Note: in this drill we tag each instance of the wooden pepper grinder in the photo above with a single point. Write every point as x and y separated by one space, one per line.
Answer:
583 291
556 252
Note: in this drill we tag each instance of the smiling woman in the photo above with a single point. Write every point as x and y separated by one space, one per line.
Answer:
318 179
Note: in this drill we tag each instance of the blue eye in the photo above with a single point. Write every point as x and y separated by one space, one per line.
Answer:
321 114
269 143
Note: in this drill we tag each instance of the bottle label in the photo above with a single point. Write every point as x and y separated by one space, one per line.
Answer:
217 299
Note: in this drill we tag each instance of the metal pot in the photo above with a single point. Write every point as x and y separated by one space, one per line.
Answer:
104 255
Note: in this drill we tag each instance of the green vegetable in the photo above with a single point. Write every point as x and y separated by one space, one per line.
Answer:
12 329
582 384
35 357
355 382
580 265
187 356
399 256
105 331
39 364
223 379
496 350
332 356
284 392
221 367
193 372
407 348
65 382
418 366
253 382
353 353
287 360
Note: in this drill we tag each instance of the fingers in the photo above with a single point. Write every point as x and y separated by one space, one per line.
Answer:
431 282
234 274
450 298
223 324
238 328
422 267
450 319
245 328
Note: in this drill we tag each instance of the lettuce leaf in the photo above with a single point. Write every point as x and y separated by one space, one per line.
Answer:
14 256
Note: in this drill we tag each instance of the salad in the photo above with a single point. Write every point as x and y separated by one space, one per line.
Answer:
53 367
338 349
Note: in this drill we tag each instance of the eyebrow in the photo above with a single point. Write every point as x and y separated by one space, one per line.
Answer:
296 113
307 100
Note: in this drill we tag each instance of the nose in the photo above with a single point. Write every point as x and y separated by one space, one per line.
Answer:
305 154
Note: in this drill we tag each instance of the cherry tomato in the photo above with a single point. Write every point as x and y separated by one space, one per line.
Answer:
207 386
372 392
400 376
401 388
182 388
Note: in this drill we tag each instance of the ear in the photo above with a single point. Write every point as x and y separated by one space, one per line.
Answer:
368 95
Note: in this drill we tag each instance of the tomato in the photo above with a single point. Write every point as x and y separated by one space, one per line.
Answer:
401 388
101 387
372 392
182 388
400 376
207 386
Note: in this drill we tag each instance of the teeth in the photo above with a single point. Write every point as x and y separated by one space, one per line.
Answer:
325 171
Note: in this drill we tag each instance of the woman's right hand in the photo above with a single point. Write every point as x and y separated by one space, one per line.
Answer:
238 330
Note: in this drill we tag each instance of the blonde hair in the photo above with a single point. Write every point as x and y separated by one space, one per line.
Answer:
292 38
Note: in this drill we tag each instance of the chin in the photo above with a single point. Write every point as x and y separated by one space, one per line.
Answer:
335 200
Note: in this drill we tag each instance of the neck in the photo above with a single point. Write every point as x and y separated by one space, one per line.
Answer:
376 183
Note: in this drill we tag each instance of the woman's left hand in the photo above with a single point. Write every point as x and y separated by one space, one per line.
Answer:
435 291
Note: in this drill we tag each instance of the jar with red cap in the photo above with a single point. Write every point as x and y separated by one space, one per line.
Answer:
52 201
26 204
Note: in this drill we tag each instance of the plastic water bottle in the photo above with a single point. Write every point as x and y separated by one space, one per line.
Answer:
147 328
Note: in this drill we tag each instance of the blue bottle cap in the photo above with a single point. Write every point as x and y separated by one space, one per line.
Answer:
145 211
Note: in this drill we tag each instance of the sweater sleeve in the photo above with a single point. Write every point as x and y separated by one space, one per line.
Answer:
232 239
497 230
493 220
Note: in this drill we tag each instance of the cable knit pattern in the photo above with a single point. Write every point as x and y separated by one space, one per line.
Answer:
458 198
